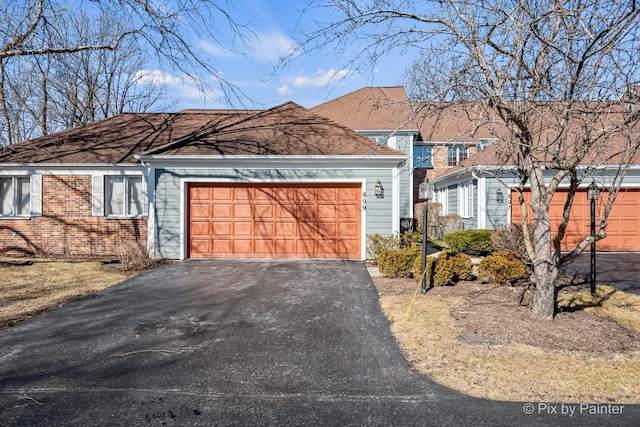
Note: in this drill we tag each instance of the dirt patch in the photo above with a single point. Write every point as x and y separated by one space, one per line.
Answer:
492 315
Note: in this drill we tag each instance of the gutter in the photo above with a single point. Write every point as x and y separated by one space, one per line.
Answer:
227 161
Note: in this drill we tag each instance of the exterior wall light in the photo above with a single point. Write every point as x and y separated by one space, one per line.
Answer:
379 190
592 191
499 196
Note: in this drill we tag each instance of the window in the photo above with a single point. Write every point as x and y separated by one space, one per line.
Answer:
15 196
457 153
422 156
124 196
465 200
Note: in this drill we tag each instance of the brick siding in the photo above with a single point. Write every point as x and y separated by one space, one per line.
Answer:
66 226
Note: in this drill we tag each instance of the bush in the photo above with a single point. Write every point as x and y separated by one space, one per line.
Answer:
396 263
378 243
470 242
133 256
503 267
510 238
446 269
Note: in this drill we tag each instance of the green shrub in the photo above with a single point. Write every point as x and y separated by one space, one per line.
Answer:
395 263
503 267
445 269
470 242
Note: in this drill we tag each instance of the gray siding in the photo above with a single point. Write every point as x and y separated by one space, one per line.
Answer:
403 143
452 199
497 213
378 213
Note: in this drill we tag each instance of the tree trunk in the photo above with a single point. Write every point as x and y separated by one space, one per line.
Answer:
545 265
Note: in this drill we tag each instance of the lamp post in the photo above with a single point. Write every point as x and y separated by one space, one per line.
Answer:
425 193
592 195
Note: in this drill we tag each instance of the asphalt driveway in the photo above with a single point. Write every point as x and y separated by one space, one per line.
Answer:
618 269
237 343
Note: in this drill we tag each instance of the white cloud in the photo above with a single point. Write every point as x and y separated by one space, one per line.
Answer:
156 77
284 90
321 78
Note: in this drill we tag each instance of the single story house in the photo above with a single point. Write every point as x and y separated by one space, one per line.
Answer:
283 182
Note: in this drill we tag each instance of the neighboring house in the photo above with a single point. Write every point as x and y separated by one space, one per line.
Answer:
480 191
283 182
434 136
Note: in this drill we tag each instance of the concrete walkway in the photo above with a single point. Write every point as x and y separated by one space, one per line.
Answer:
255 343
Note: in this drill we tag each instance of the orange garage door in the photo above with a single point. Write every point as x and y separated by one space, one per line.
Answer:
274 221
623 229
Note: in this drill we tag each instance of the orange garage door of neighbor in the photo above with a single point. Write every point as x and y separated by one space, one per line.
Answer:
623 225
274 221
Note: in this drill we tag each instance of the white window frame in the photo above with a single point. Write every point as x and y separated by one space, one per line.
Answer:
461 153
125 195
14 197
465 199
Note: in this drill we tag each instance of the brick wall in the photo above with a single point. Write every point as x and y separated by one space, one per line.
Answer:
66 226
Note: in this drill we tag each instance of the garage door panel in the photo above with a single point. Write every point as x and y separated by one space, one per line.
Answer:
327 212
623 224
220 193
284 247
263 211
221 229
275 220
221 211
242 211
263 229
199 210
220 247
242 247
263 247
200 228
199 193
243 228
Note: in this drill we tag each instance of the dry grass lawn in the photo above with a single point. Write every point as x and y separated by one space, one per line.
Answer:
27 290
476 339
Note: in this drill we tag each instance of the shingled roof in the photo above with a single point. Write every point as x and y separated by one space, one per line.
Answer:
389 108
370 108
288 129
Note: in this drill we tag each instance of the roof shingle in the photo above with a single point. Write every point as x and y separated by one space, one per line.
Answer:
288 129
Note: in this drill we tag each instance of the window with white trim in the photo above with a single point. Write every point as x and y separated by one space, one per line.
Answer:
124 196
15 196
465 200
456 154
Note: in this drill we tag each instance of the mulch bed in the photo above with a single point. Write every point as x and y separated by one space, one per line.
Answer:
492 314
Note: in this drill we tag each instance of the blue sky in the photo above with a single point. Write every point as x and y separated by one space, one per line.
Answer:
308 80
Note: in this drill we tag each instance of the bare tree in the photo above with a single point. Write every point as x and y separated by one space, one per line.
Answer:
41 40
551 78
